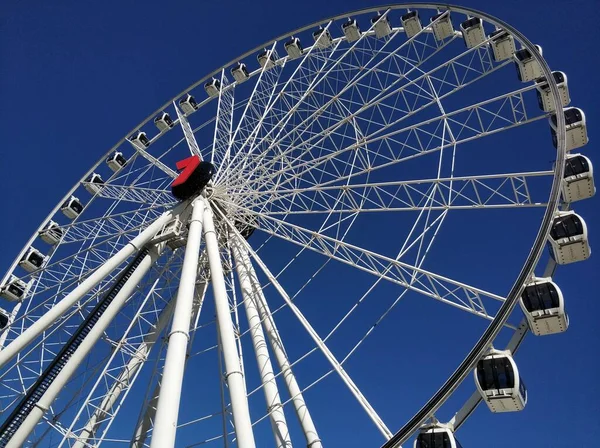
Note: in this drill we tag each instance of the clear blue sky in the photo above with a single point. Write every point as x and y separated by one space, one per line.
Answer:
76 76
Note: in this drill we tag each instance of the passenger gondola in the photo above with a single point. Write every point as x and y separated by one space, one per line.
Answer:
436 435
528 68
569 238
188 104
14 289
266 59
544 95
322 38
578 180
32 260
472 32
502 44
4 319
499 383
240 72
293 47
213 87
116 161
93 184
411 23
72 207
442 28
381 25
351 30
542 303
163 122
140 140
52 233
576 128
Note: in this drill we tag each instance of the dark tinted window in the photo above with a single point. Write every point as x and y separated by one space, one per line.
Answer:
576 165
573 116
542 296
495 373
349 23
498 35
523 54
76 205
36 259
3 321
16 290
566 226
471 22
434 440
410 15
440 15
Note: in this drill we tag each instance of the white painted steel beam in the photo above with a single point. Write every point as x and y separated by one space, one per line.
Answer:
234 374
245 272
167 411
19 438
60 308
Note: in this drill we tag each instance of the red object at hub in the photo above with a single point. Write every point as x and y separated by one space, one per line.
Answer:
194 176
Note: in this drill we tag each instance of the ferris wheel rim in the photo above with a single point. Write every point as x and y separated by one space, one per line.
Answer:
561 151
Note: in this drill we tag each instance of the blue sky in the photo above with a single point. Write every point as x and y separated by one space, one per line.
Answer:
76 77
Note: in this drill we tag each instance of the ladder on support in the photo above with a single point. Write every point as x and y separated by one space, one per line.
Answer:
22 410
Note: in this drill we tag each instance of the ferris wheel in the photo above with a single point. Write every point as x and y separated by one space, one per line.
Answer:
293 205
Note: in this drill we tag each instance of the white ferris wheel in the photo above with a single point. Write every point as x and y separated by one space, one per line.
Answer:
257 233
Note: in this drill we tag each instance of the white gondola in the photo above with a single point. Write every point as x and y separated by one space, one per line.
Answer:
240 72
578 180
116 161
4 319
14 289
139 140
502 44
266 59
188 104
32 260
381 25
472 32
72 207
322 38
576 128
528 68
543 304
499 383
442 29
213 87
293 47
436 435
93 184
411 23
163 122
544 95
52 233
569 238
351 30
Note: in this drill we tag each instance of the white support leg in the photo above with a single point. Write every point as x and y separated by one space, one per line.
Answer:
302 412
128 373
167 410
353 388
54 313
274 406
44 403
147 416
235 377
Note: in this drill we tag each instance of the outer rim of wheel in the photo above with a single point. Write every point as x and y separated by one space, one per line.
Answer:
466 366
